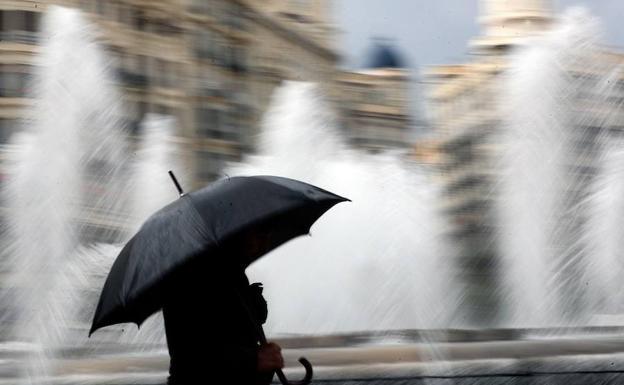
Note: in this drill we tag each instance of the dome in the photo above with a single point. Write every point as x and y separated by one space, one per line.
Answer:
384 56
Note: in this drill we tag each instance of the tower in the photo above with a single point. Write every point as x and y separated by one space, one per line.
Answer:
376 100
503 22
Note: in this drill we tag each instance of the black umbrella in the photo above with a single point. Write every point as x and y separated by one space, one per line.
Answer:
203 224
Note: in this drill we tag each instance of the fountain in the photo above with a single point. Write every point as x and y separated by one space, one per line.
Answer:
379 263
71 183
73 147
553 136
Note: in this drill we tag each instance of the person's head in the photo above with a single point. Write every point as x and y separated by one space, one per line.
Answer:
251 246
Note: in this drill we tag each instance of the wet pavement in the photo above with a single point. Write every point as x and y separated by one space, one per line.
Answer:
564 360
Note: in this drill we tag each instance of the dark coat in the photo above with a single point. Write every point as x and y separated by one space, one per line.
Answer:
210 336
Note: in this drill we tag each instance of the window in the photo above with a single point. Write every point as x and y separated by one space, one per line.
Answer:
217 124
230 125
161 109
209 165
166 29
207 121
160 75
136 111
19 26
138 19
200 6
87 5
299 5
124 14
205 45
239 62
139 64
373 96
233 16
7 128
14 81
171 77
101 7
132 71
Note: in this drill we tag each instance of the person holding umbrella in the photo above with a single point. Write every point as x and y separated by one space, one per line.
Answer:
189 259
216 336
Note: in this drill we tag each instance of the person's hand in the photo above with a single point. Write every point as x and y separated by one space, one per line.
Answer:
270 358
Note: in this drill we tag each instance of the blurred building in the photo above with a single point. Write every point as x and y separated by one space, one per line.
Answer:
467 171
212 64
466 112
289 40
374 101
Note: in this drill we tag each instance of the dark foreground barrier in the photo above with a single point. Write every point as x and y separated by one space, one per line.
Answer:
539 357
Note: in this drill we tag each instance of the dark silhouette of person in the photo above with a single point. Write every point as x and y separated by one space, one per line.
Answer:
211 323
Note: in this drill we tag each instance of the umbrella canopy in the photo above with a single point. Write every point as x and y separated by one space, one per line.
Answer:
209 224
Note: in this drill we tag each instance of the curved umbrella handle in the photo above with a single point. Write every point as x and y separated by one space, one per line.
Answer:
306 379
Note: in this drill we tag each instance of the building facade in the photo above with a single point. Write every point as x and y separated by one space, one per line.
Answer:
210 64
467 111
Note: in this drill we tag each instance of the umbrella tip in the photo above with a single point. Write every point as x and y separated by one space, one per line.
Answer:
343 199
175 182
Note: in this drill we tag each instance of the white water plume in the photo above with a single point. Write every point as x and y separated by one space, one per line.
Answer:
377 263
605 236
157 154
553 123
65 180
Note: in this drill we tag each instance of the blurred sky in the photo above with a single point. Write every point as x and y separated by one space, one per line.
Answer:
437 31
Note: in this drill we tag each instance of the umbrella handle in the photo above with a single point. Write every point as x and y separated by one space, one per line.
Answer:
306 379
262 338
